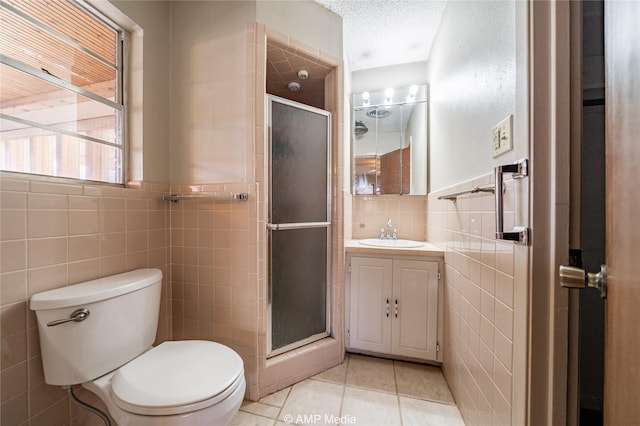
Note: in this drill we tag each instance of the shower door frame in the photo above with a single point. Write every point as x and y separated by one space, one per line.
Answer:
270 227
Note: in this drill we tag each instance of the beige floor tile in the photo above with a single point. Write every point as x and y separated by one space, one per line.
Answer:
260 409
248 419
426 413
422 382
371 373
312 401
337 374
276 398
367 407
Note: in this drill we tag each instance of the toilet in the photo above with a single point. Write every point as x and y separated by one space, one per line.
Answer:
99 334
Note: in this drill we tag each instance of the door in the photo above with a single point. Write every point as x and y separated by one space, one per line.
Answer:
622 328
370 304
299 220
415 309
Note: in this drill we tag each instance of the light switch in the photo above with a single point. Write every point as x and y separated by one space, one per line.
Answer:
502 138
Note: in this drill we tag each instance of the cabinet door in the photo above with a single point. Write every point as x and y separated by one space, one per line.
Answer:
370 304
415 308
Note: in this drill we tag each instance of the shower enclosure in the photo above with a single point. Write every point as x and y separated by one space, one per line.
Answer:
299 225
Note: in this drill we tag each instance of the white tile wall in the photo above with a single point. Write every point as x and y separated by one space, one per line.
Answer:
478 296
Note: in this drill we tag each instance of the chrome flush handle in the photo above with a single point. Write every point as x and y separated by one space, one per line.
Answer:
76 316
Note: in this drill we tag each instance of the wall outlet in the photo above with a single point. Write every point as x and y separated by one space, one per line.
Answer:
502 137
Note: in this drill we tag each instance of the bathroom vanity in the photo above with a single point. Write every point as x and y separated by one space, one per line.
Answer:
394 301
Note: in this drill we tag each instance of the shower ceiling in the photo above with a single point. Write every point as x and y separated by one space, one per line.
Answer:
379 33
283 67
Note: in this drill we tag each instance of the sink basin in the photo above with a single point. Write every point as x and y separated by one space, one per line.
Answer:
376 242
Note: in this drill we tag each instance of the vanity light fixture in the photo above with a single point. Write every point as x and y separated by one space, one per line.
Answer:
388 95
365 98
413 91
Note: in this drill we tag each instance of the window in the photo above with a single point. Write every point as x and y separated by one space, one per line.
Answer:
61 96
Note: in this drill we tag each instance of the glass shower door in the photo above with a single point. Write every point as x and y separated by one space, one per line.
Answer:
298 225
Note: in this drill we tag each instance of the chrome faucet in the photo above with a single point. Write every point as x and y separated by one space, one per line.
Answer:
388 235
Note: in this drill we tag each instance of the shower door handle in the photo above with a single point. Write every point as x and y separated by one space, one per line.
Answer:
301 225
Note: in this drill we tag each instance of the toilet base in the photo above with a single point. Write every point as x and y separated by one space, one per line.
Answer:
219 414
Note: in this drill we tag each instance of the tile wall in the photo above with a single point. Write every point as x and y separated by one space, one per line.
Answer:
478 301
214 264
407 215
53 235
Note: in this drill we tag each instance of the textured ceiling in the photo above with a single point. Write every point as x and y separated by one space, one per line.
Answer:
379 33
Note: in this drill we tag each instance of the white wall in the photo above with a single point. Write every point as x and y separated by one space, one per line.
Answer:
375 79
416 132
472 78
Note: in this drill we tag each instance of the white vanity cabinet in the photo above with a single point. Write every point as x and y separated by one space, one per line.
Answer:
393 306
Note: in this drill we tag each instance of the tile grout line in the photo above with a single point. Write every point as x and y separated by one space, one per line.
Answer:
344 387
395 379
283 404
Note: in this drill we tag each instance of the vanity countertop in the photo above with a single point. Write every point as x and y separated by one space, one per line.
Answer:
427 249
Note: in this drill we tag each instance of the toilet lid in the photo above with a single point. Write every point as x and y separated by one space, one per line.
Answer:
177 377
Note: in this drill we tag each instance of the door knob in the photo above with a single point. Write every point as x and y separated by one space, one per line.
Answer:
573 277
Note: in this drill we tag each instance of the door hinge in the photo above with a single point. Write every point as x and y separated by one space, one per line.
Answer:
348 335
437 347
349 268
439 276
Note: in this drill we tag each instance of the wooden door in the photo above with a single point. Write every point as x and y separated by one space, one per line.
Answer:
414 330
370 304
622 326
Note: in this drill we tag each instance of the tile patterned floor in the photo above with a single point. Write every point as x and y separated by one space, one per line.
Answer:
363 391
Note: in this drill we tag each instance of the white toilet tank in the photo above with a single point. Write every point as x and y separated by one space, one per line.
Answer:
121 324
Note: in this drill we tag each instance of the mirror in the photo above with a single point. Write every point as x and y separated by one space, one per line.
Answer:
389 142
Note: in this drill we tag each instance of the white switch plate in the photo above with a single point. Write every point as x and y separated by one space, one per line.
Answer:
502 137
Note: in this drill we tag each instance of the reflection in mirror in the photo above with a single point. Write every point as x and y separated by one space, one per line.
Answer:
390 142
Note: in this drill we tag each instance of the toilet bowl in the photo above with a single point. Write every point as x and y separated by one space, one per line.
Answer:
99 334
185 382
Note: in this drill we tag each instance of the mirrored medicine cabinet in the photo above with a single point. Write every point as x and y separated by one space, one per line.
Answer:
389 141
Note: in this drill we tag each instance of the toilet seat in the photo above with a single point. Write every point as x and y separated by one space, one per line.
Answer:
177 377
